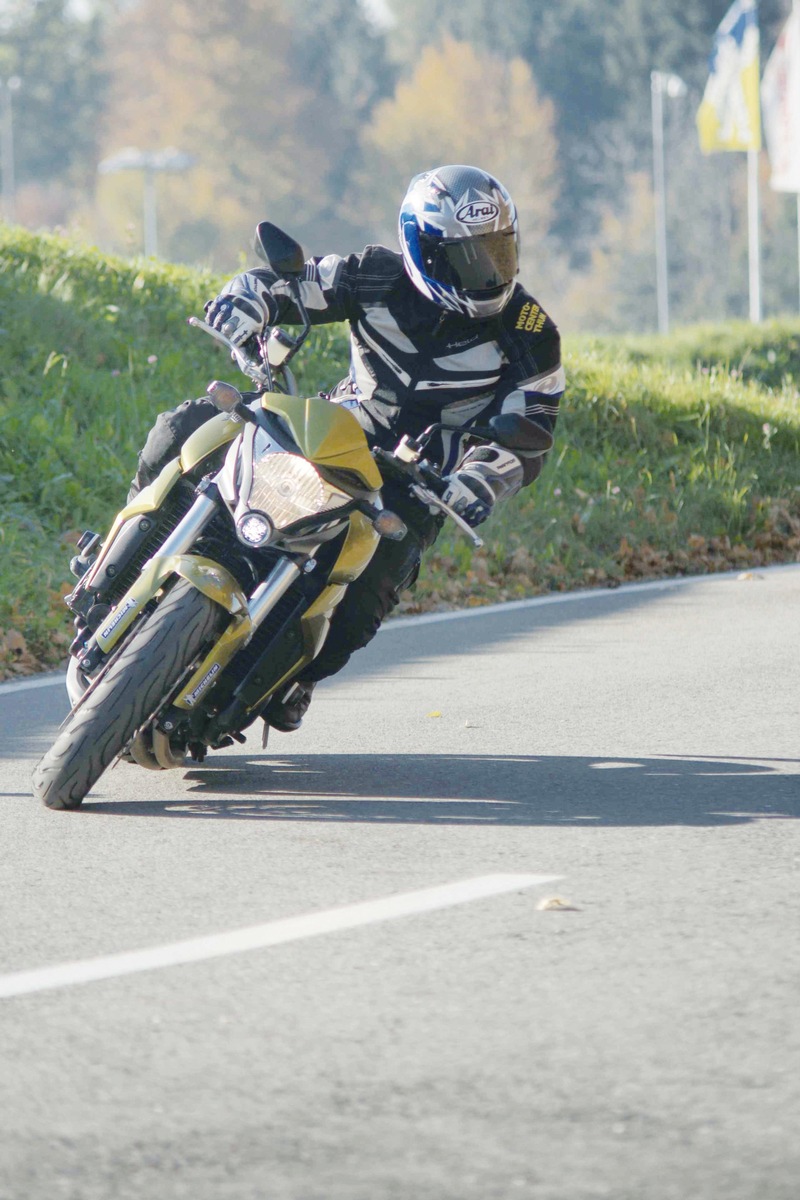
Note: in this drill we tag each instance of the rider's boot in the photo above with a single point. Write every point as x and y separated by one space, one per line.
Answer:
285 711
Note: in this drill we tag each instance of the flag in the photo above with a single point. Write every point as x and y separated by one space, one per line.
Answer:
780 100
729 117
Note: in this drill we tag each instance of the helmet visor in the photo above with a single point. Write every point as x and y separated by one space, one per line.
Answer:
474 264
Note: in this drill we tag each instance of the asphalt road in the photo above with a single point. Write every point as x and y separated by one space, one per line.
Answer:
638 1038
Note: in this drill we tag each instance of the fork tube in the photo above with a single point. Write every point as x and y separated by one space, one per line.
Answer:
192 525
274 587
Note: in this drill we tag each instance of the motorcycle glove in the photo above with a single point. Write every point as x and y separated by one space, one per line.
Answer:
470 497
486 474
242 309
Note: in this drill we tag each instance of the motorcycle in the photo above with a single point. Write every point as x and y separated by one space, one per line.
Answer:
217 583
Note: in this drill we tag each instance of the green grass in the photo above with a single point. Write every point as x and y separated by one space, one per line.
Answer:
767 354
663 465
673 455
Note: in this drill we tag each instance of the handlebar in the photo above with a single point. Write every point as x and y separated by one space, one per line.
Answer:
427 482
248 366
261 373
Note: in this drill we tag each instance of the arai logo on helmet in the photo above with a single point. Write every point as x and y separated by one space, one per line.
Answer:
478 212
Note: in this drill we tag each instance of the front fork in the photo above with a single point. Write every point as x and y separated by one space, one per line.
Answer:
209 578
239 632
153 748
169 559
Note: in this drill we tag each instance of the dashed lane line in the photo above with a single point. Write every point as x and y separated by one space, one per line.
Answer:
257 937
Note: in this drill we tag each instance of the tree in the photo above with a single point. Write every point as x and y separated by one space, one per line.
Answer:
462 106
58 59
617 291
334 45
228 93
592 59
498 27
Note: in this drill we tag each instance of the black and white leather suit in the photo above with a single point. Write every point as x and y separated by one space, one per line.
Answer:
411 364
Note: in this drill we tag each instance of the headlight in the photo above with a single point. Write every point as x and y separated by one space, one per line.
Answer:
288 488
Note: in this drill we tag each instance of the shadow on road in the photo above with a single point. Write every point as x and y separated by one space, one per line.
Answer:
481 790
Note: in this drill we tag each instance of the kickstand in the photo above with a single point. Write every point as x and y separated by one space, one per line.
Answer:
265 735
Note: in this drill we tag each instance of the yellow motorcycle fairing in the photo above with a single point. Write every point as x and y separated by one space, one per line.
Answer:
215 432
315 623
327 434
330 435
359 546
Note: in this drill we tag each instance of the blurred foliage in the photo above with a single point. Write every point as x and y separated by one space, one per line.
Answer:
63 78
190 77
479 98
310 114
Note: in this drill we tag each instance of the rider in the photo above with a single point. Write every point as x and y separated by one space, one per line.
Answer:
438 333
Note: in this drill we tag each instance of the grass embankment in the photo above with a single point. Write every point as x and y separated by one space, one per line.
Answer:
673 456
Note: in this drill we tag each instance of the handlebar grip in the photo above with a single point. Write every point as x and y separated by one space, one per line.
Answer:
432 478
421 471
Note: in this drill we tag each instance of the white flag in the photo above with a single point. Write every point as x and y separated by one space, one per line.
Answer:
780 100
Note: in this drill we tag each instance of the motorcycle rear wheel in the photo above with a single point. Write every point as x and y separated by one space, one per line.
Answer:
135 686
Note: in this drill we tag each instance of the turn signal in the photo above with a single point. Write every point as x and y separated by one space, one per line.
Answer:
389 525
224 395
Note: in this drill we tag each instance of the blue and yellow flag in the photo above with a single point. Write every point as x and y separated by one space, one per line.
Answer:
729 117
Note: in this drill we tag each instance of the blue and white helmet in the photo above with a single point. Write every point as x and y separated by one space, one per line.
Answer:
459 236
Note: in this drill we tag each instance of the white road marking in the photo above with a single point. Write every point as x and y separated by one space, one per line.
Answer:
598 593
490 610
27 685
274 933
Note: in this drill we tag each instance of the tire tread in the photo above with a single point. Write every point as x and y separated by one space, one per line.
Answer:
135 685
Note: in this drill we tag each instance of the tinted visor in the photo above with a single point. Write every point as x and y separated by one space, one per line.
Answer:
475 264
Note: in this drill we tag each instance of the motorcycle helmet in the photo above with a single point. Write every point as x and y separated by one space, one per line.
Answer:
459 237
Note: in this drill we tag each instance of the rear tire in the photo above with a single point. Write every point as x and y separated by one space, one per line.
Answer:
135 686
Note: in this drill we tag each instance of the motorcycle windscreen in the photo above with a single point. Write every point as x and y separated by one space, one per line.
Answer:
327 434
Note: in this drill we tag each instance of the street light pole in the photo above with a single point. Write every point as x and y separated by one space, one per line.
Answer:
150 217
150 163
661 85
8 87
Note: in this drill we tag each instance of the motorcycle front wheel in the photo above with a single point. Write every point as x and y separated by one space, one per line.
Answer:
135 686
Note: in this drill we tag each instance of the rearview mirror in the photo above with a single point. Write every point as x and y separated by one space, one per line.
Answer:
518 432
278 250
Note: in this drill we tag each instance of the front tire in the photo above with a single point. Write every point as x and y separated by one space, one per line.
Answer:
137 683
